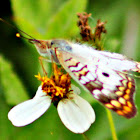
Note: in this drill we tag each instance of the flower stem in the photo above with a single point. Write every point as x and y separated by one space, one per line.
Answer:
85 136
112 127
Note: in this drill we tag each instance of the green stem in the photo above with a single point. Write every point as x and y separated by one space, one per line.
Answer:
112 127
85 136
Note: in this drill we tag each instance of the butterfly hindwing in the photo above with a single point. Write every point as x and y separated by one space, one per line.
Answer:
119 62
120 99
112 88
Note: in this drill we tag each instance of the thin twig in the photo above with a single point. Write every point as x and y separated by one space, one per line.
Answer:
85 136
112 127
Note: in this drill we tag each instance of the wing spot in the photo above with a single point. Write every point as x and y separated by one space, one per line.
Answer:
126 97
83 71
124 82
121 88
120 112
130 85
129 104
105 74
127 109
119 93
125 112
105 91
96 92
109 106
129 79
122 100
116 103
127 91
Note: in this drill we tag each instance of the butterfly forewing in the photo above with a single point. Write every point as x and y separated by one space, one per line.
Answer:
112 88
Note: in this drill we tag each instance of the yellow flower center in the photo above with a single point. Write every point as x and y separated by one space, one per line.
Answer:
57 86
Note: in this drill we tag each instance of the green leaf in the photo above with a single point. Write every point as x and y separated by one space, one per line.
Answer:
6 129
48 19
12 87
63 23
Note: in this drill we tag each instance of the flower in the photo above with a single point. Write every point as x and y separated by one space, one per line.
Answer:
75 113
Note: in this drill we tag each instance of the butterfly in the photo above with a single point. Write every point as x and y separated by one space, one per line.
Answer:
104 74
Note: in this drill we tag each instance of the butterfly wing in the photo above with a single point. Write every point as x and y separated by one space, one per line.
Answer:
119 62
114 61
112 88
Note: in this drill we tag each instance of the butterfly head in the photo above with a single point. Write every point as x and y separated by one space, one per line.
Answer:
42 46
49 47
46 47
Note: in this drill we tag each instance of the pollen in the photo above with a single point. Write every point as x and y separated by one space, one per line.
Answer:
57 86
65 80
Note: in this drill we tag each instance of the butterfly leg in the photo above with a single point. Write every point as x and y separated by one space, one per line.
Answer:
41 63
41 59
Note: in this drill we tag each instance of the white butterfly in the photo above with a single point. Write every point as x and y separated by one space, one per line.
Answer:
104 74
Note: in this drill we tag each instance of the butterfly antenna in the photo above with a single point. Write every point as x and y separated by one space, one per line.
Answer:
17 29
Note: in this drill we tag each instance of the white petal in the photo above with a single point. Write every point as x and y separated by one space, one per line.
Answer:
76 114
39 92
28 111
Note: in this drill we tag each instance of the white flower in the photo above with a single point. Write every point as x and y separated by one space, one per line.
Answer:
75 113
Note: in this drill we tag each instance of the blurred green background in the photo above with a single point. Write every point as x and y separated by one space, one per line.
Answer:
19 63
